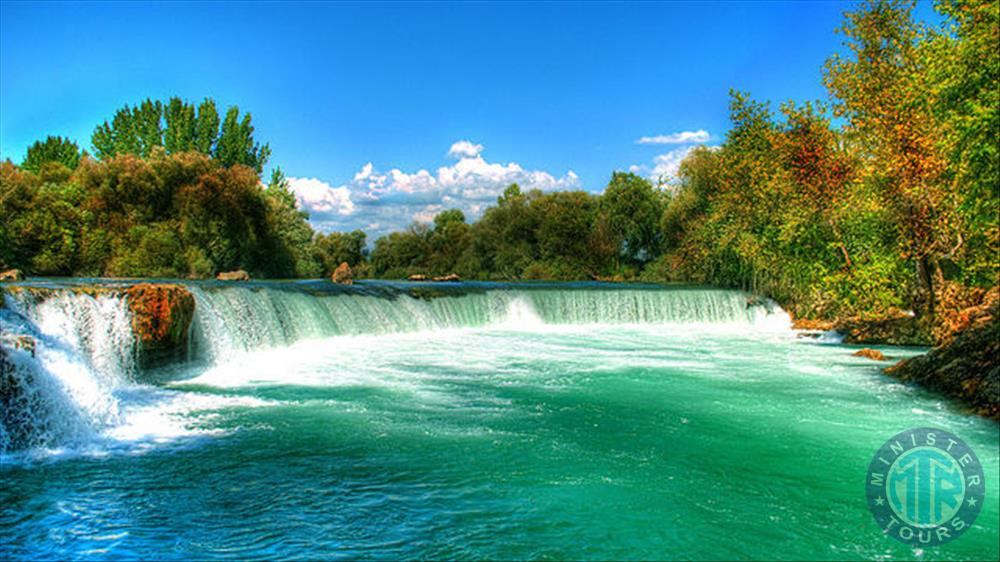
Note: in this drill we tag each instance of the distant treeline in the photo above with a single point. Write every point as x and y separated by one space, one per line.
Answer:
873 214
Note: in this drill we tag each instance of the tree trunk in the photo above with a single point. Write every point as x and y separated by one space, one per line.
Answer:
924 300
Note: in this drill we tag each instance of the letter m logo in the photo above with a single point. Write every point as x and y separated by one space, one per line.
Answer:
878 479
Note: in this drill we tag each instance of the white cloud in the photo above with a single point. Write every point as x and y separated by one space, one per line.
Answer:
465 149
380 202
683 137
665 166
319 196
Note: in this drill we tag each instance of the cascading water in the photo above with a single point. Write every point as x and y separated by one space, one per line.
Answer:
241 319
486 421
61 388
66 390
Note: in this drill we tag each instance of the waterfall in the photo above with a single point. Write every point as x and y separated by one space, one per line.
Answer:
236 319
67 388
60 388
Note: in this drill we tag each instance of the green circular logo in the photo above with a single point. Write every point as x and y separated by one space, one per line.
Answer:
925 487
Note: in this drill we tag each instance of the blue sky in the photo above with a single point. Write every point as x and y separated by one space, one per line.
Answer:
357 99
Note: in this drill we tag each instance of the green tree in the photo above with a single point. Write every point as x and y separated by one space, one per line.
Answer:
206 127
236 143
633 208
335 248
179 134
53 149
964 66
177 127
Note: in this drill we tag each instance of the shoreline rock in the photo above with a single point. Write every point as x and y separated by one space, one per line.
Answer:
869 353
343 274
812 325
450 278
238 275
967 368
12 275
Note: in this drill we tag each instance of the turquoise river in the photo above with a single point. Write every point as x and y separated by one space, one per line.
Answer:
473 420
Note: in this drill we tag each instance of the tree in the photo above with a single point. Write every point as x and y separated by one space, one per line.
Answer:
177 127
206 127
448 241
335 248
633 208
236 144
964 66
53 149
179 134
882 87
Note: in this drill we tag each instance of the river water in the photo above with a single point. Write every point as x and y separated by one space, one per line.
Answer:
581 421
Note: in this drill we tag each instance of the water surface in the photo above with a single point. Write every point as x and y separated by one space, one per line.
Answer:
546 422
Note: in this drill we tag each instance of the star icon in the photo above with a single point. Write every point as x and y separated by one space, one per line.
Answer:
972 502
879 501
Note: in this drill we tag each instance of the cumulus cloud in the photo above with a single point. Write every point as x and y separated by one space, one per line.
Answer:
321 197
465 149
380 202
683 137
664 167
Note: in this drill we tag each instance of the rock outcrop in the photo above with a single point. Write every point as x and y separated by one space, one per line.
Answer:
896 327
16 404
450 278
417 277
343 274
966 368
812 325
18 341
958 307
238 275
161 320
12 275
869 353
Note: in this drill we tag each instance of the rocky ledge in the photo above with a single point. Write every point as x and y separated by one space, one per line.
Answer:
967 369
959 308
161 321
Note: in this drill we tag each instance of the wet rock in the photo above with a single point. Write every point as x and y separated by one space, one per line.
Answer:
12 275
450 278
161 320
343 274
966 368
238 275
870 353
812 325
896 327
15 400
18 341
417 277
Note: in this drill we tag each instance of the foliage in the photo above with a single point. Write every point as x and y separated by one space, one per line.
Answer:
870 217
180 215
632 209
52 150
177 127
